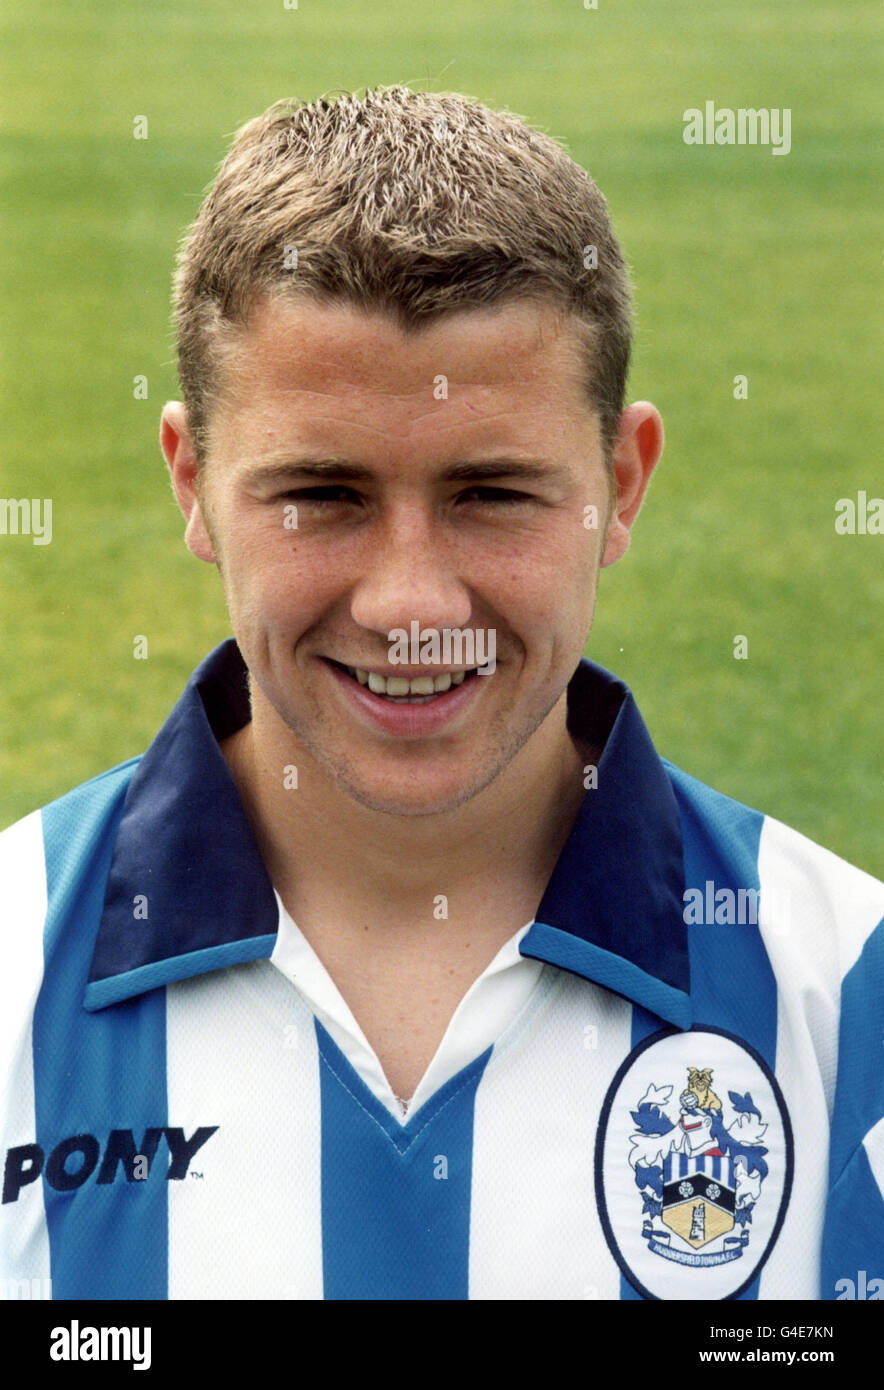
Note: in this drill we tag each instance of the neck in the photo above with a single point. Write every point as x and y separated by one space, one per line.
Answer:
321 845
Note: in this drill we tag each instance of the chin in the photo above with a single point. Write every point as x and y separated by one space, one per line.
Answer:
416 796
388 802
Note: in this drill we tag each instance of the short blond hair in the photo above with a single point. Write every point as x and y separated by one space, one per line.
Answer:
414 203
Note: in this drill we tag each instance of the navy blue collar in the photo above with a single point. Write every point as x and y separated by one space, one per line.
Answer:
184 852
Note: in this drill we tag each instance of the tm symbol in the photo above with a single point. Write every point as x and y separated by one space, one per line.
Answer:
197 1175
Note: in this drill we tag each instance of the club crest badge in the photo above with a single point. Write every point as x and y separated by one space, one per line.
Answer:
693 1165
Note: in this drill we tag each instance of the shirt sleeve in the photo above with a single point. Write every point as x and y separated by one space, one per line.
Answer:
853 1233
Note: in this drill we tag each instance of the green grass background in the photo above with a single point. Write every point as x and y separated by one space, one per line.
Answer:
744 262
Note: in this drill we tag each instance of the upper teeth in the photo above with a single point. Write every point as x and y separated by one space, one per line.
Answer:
399 685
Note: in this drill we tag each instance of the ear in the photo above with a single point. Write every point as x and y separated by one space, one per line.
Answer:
637 449
178 451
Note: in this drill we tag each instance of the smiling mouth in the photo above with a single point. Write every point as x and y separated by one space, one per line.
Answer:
402 690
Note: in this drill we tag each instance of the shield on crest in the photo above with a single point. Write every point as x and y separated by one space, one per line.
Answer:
699 1197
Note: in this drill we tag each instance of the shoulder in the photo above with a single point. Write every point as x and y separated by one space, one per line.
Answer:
93 796
723 817
812 889
52 842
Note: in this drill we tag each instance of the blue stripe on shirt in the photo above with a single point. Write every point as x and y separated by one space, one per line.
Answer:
720 841
395 1198
94 1073
859 1089
732 982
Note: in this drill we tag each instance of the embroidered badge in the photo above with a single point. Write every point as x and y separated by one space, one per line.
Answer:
688 1181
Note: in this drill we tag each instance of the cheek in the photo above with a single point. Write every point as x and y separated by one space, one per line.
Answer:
555 588
273 582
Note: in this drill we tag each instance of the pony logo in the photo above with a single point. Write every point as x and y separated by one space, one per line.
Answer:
709 1176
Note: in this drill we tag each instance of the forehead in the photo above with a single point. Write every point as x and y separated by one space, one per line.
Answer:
513 367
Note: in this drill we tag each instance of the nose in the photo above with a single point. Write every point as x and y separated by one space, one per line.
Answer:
410 575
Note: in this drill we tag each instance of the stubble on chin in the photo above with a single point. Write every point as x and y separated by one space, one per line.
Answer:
369 792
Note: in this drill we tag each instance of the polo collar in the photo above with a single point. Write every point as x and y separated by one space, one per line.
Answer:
185 856
613 908
185 852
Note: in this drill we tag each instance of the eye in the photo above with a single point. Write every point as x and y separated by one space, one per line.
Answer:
331 492
497 495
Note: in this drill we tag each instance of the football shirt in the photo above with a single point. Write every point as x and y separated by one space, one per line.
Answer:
668 1085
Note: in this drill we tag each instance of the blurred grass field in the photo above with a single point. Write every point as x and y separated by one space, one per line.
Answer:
744 262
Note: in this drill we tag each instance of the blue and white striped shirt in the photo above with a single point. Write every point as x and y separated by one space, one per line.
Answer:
668 1085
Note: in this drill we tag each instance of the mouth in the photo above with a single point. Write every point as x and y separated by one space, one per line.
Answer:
405 690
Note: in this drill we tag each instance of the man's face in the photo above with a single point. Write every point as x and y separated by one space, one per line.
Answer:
441 477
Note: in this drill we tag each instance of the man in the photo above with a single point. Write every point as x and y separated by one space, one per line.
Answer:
401 966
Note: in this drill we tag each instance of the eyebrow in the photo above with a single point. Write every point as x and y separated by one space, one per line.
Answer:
310 468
